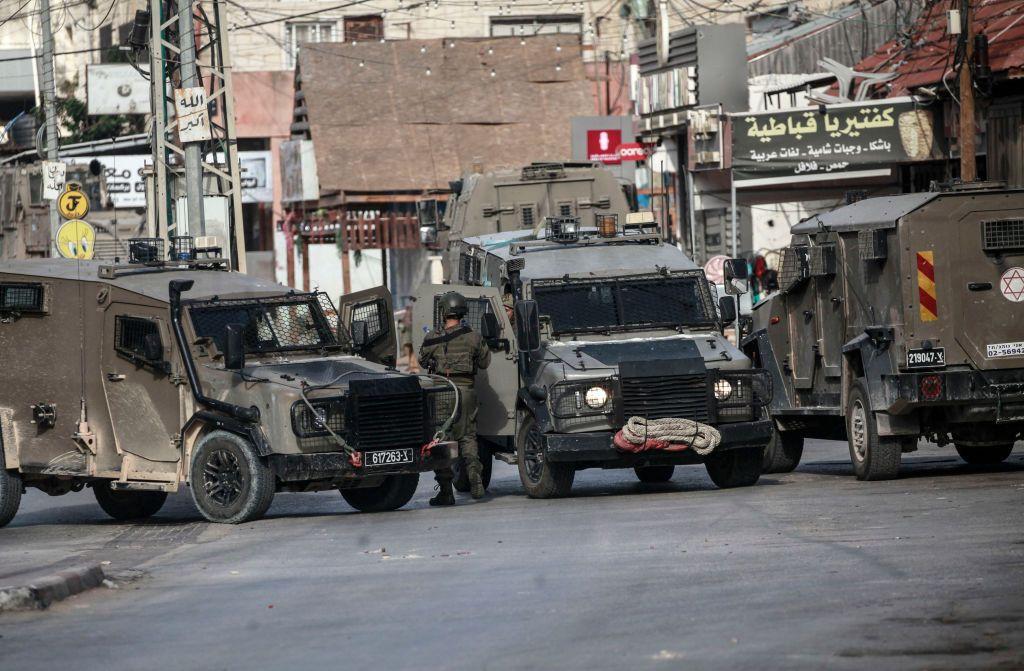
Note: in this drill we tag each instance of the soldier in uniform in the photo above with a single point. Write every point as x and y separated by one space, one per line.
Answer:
457 352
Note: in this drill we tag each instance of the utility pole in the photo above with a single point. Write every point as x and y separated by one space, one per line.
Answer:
196 224
49 108
968 167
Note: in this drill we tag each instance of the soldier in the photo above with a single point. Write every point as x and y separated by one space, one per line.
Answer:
457 352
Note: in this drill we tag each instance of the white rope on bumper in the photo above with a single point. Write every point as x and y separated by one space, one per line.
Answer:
675 431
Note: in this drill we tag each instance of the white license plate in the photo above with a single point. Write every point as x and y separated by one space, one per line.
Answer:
1004 349
926 358
388 457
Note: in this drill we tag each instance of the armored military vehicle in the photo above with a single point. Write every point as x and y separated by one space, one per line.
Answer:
137 379
515 199
899 317
608 324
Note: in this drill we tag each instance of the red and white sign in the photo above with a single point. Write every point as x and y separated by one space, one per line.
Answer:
632 151
603 145
1011 284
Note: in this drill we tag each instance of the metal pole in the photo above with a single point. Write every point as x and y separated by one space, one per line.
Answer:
693 216
49 108
968 166
196 225
735 241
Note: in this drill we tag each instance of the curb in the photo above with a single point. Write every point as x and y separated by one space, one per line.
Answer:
40 593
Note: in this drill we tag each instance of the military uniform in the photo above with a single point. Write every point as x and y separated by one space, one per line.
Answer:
458 353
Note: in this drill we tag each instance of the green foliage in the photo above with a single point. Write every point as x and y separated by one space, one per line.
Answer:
77 126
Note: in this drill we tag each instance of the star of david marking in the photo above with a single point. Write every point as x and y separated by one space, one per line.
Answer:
1011 284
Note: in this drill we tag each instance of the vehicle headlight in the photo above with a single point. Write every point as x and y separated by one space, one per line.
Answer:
596 397
723 389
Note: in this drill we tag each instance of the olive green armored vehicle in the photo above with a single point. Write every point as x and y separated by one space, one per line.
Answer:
899 318
141 378
590 328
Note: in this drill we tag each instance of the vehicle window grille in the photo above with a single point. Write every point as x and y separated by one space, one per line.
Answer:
793 267
476 309
440 403
527 216
289 322
823 260
374 313
21 297
130 338
872 244
309 426
1003 235
469 269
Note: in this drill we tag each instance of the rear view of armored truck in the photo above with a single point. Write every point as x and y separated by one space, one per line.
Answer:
900 317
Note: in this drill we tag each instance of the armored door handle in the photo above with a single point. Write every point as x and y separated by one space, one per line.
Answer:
808 313
115 377
979 286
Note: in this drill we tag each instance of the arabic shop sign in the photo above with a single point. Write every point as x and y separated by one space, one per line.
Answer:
806 144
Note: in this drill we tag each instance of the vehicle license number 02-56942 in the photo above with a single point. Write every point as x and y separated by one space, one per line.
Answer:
388 457
926 358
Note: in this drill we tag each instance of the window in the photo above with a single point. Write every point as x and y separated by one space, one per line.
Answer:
527 216
21 297
565 209
277 324
130 334
476 308
547 24
315 31
374 314
364 28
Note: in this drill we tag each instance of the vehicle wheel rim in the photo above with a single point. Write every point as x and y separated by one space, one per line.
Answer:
222 477
859 430
533 454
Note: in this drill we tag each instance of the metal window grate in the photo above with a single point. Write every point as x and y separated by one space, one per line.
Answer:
527 216
278 324
565 209
130 335
793 267
21 297
1003 235
872 245
440 403
374 314
476 309
469 269
823 260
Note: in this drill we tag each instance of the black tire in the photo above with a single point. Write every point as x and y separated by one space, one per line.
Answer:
541 479
230 483
392 494
10 492
129 505
783 452
735 468
873 457
984 455
654 474
461 481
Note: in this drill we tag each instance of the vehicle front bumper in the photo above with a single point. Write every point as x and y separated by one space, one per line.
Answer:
598 446
336 465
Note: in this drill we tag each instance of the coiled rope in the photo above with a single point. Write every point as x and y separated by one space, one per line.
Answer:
672 434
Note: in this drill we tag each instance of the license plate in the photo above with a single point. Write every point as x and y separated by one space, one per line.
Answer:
995 350
926 358
388 457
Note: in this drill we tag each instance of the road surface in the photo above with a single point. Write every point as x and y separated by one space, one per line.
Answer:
806 570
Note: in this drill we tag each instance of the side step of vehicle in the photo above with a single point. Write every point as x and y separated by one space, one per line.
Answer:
139 486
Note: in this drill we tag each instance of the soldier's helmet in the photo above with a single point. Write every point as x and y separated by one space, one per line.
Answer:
453 304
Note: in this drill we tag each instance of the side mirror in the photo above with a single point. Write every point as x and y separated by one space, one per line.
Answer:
727 309
736 277
489 329
527 326
152 348
428 235
360 334
234 346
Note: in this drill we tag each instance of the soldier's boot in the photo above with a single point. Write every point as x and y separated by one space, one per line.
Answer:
445 495
476 483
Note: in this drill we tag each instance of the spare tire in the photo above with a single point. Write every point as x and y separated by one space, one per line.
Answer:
128 505
392 494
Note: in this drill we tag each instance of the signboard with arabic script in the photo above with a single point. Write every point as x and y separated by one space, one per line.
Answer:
806 144
192 113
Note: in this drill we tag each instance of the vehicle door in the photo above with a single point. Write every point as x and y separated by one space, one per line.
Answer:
497 385
829 313
142 398
373 308
800 305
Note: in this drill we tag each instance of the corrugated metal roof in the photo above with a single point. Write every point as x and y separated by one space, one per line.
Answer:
386 125
922 60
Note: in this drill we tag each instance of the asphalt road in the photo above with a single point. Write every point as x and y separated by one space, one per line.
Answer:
806 570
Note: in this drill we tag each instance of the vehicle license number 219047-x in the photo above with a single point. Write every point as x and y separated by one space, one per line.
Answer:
388 457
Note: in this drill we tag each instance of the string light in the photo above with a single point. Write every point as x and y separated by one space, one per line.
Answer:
453 24
490 51
558 47
493 73
428 72
362 64
476 6
451 45
382 40
423 49
558 68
